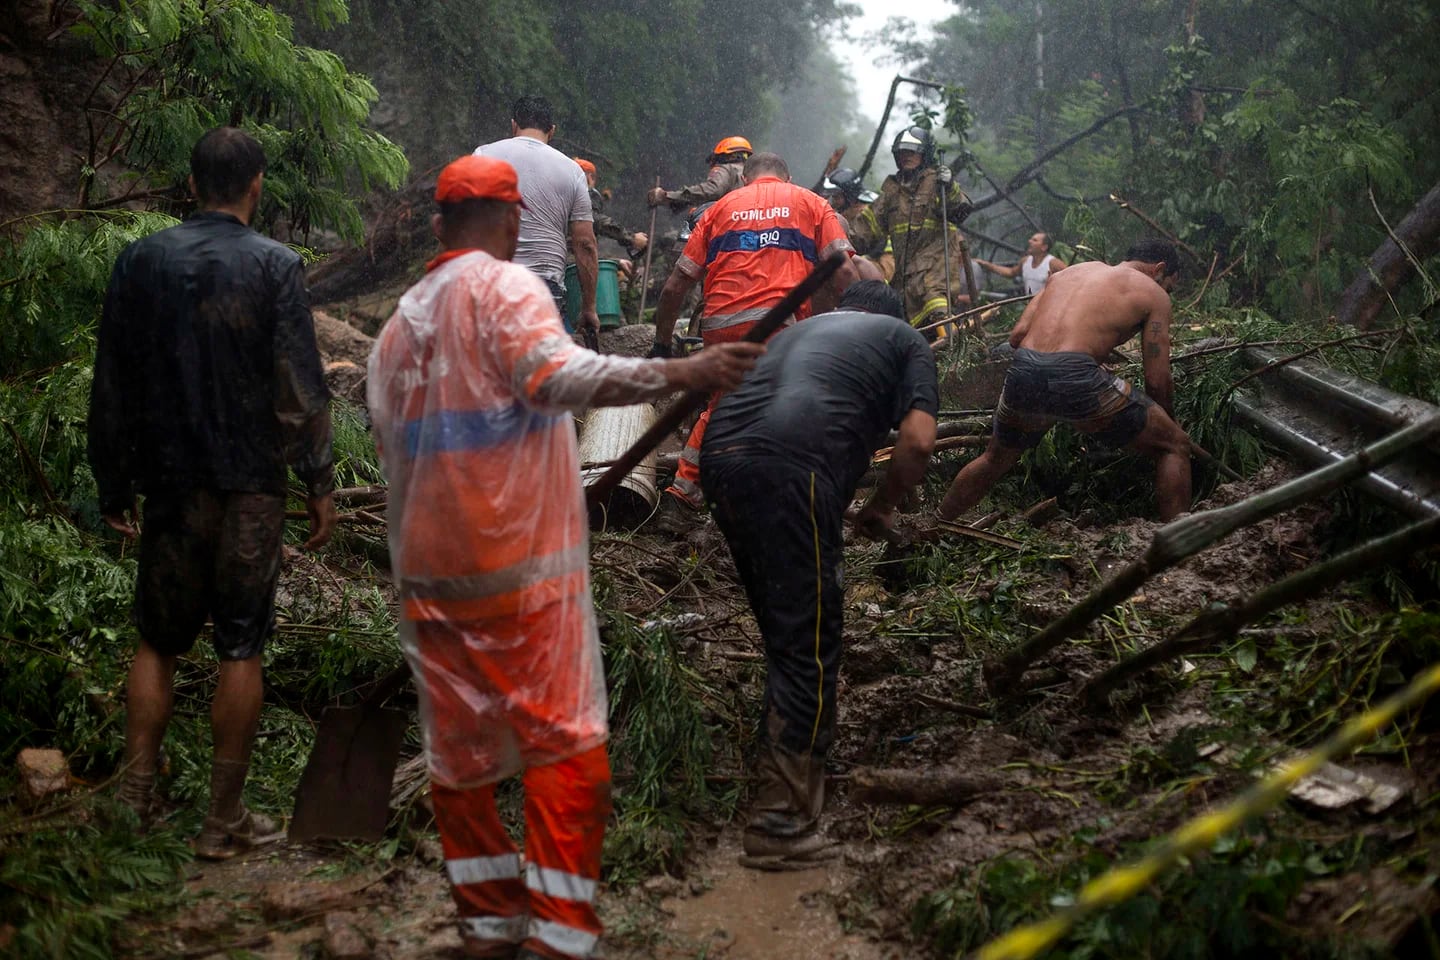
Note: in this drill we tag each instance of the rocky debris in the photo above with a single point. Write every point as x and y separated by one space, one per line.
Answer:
629 341
339 341
346 380
1334 787
291 899
344 938
42 773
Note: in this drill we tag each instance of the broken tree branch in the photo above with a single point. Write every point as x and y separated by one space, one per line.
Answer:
1032 169
1220 623
1154 224
1181 539
925 788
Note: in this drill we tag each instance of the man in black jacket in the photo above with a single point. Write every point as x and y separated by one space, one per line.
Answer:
207 383
782 458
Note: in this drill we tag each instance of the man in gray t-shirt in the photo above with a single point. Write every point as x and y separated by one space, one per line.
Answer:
557 206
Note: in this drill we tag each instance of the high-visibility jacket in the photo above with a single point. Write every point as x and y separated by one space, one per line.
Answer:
755 244
470 386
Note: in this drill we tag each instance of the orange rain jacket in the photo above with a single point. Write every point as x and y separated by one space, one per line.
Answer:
471 384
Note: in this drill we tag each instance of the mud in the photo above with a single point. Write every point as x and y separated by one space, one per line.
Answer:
1058 771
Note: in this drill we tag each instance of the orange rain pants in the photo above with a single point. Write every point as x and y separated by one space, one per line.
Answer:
546 901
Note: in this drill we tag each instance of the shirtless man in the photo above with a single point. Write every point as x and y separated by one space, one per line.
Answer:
1035 268
1060 341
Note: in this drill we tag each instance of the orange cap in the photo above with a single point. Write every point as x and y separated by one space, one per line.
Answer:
585 165
477 177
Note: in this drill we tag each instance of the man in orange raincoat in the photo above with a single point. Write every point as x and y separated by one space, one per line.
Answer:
471 385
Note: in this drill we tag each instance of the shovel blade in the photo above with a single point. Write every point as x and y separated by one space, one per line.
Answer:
344 793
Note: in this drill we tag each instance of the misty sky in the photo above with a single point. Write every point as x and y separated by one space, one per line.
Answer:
872 83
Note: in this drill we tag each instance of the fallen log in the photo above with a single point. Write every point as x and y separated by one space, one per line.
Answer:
936 787
1413 240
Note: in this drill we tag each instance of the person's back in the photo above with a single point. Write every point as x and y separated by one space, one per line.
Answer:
199 371
1088 308
555 193
756 243
825 394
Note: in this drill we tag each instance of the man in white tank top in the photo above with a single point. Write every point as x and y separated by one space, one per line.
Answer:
1035 268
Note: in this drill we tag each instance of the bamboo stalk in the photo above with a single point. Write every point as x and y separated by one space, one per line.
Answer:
1187 536
1220 623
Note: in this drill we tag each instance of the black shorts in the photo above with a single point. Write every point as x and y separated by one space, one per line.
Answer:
1043 389
213 554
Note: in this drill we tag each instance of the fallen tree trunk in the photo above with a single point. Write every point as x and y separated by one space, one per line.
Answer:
925 788
1391 264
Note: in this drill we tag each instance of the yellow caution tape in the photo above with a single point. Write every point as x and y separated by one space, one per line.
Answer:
1121 883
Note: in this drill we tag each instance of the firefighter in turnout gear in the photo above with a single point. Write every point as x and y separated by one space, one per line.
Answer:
908 214
727 172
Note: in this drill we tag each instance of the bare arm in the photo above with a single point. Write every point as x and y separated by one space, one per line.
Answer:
1022 326
1155 340
827 297
1009 271
907 468
587 268
672 295
1056 265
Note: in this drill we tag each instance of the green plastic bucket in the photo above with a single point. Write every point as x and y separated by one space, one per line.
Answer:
607 295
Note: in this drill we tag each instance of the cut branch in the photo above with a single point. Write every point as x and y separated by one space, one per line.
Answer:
1154 224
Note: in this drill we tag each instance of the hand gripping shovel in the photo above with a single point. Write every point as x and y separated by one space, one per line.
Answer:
601 489
344 793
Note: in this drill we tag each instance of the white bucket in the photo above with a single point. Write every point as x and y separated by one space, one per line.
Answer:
606 434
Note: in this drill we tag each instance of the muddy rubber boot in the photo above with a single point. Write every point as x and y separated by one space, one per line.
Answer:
229 828
673 517
784 829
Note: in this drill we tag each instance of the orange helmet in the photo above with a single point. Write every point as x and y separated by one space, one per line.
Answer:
732 145
585 165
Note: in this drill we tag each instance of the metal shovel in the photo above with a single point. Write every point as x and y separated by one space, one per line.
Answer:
344 793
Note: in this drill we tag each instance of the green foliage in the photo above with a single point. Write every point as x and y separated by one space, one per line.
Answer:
664 742
180 67
67 887
1253 131
638 87
53 280
1230 903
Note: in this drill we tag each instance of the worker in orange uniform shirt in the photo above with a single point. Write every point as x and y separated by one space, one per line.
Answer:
749 249
471 386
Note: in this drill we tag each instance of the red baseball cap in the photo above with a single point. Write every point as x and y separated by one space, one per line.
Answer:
477 177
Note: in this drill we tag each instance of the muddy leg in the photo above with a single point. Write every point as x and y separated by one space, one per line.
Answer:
1169 446
149 702
977 478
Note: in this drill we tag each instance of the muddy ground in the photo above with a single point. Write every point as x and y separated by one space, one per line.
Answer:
1058 770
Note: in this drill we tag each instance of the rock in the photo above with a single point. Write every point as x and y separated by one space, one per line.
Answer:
633 340
430 851
289 899
662 885
1334 787
346 380
344 940
340 341
42 774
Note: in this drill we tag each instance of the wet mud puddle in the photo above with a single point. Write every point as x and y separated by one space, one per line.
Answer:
747 914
